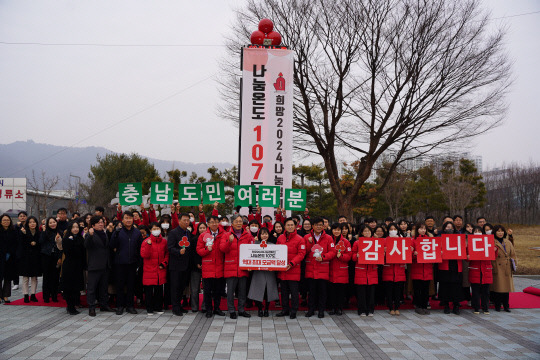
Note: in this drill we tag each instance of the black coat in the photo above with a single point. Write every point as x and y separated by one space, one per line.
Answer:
48 243
177 261
73 264
98 252
127 244
8 254
28 255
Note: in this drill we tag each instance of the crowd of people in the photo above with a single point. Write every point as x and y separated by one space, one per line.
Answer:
136 259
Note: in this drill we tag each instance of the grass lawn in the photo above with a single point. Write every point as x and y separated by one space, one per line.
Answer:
526 237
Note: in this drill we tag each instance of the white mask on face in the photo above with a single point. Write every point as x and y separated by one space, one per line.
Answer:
488 232
393 233
156 233
192 219
165 226
476 233
224 223
254 229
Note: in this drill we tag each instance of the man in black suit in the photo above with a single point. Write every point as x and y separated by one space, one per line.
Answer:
179 261
97 249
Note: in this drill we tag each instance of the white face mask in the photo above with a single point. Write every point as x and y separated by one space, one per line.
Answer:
192 219
156 233
165 226
476 233
224 223
488 232
393 233
254 229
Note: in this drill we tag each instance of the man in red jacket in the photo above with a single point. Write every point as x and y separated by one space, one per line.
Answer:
320 249
296 250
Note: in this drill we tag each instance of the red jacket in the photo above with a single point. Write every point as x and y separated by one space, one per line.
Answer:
146 220
153 255
296 251
319 269
394 272
480 272
212 261
445 263
339 267
420 271
202 219
364 274
231 249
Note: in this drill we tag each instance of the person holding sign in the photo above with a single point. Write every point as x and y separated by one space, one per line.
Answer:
51 242
481 278
339 269
366 276
230 246
212 265
320 250
421 272
450 278
504 266
178 243
393 275
296 251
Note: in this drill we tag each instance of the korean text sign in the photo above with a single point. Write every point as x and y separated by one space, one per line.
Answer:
270 257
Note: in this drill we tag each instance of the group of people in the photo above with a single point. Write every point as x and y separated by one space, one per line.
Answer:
136 258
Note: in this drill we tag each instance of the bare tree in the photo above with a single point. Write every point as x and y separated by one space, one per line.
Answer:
380 76
42 187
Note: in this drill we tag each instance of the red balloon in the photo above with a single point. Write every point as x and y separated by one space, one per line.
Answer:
266 25
275 37
257 37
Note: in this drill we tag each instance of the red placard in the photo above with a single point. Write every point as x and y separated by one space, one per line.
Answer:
429 250
398 250
481 247
371 251
454 247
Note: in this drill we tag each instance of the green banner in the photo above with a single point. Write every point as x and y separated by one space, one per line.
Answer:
295 199
213 191
130 193
161 193
189 194
244 195
269 196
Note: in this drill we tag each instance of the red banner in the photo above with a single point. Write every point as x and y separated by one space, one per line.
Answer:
398 250
454 247
481 247
371 251
429 251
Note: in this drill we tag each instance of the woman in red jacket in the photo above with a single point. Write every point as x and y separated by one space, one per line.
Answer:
394 278
366 277
480 277
421 274
155 255
339 268
296 251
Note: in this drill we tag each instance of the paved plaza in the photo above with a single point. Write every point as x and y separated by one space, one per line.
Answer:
29 332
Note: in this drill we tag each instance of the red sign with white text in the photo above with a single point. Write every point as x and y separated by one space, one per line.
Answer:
371 251
454 247
481 247
429 250
398 250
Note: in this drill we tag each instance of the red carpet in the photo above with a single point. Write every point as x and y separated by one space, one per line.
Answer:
518 300
532 290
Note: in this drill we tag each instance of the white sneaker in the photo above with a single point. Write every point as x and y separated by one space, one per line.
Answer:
15 287
370 314
362 315
150 314
160 312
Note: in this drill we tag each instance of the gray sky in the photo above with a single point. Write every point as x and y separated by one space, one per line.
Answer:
63 94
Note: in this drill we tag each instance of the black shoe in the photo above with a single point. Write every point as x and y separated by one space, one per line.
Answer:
74 312
54 299
266 314
33 298
339 312
507 309
293 316
260 313
219 312
26 298
244 314
92 312
194 311
119 310
180 313
282 313
455 310
131 310
321 314
447 310
310 313
106 308
208 314
333 312
46 300
233 315
498 309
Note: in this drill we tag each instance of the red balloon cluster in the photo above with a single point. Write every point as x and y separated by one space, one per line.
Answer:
265 32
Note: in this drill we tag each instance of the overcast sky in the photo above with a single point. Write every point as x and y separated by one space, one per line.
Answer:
62 94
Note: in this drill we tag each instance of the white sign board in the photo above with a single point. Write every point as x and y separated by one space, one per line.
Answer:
257 257
12 194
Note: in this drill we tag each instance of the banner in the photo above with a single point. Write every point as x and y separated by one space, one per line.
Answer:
481 247
371 251
295 199
429 251
189 194
454 247
130 194
269 196
398 250
263 256
266 127
212 192
244 195
161 193
12 194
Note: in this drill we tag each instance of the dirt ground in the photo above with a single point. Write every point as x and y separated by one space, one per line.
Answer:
526 237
